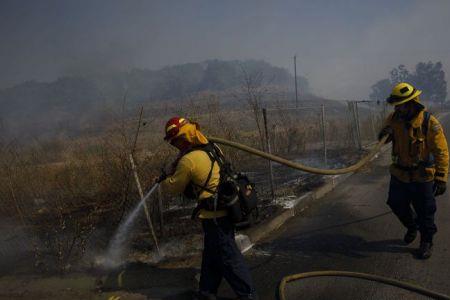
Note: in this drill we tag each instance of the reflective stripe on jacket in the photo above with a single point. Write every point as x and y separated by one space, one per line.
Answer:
416 157
194 167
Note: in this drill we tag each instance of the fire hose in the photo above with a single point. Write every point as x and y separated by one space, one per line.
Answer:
299 166
295 277
370 277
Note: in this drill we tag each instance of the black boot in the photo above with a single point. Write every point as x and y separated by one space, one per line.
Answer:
425 250
410 236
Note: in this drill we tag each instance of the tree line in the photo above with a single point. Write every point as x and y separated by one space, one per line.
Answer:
427 76
75 102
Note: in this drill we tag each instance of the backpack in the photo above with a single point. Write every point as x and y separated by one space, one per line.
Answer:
235 192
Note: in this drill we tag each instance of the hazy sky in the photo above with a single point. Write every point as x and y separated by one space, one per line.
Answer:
343 47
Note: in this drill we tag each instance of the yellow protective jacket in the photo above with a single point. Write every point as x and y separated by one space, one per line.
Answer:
194 167
416 157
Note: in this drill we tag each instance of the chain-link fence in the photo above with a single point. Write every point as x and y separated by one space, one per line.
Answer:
326 135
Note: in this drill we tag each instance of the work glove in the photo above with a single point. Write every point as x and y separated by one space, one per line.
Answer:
386 131
161 177
439 187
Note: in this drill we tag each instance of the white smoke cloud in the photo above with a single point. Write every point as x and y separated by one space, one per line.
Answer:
417 33
343 47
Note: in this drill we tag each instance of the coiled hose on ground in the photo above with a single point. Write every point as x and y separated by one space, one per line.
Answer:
281 290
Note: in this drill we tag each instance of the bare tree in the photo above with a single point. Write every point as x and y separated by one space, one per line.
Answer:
253 90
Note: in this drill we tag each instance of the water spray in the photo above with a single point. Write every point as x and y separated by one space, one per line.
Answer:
147 213
120 241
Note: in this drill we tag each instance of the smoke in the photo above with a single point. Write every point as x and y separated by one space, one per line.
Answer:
407 37
343 47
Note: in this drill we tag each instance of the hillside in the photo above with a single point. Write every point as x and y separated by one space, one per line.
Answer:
69 104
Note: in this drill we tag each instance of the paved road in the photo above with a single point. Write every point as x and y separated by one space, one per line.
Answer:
351 229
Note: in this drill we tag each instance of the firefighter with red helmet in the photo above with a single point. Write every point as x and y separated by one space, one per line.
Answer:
197 176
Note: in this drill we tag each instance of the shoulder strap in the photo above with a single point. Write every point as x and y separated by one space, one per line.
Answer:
426 121
225 166
204 187
210 151
425 125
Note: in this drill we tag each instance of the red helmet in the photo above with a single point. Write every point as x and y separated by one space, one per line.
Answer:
173 127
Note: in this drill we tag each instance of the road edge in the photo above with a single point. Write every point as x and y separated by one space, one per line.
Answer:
245 239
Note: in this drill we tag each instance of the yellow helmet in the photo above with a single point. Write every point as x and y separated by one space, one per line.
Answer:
402 93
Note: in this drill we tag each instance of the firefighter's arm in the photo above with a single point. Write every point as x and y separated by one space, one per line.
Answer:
175 184
386 129
438 147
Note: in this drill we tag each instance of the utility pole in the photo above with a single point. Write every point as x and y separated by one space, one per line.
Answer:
295 75
358 129
324 137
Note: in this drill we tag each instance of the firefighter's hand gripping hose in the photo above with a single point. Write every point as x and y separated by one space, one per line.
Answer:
298 166
400 284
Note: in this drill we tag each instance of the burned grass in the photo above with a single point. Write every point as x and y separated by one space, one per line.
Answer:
68 196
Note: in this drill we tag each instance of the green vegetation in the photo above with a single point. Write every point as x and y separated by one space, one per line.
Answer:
428 77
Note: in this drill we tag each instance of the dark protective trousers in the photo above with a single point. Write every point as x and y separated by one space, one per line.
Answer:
421 196
222 258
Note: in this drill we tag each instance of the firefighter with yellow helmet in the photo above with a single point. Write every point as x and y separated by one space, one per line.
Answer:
196 173
419 165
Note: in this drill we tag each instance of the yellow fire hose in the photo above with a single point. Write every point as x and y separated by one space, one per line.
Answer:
298 166
400 284
281 290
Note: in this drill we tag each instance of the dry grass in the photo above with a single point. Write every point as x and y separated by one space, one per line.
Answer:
63 191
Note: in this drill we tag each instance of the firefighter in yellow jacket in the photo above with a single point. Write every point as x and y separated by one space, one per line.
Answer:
419 165
197 175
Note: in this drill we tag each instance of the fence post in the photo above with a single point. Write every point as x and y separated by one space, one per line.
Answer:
272 189
324 140
350 124
372 120
274 135
161 211
358 131
146 210
351 111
